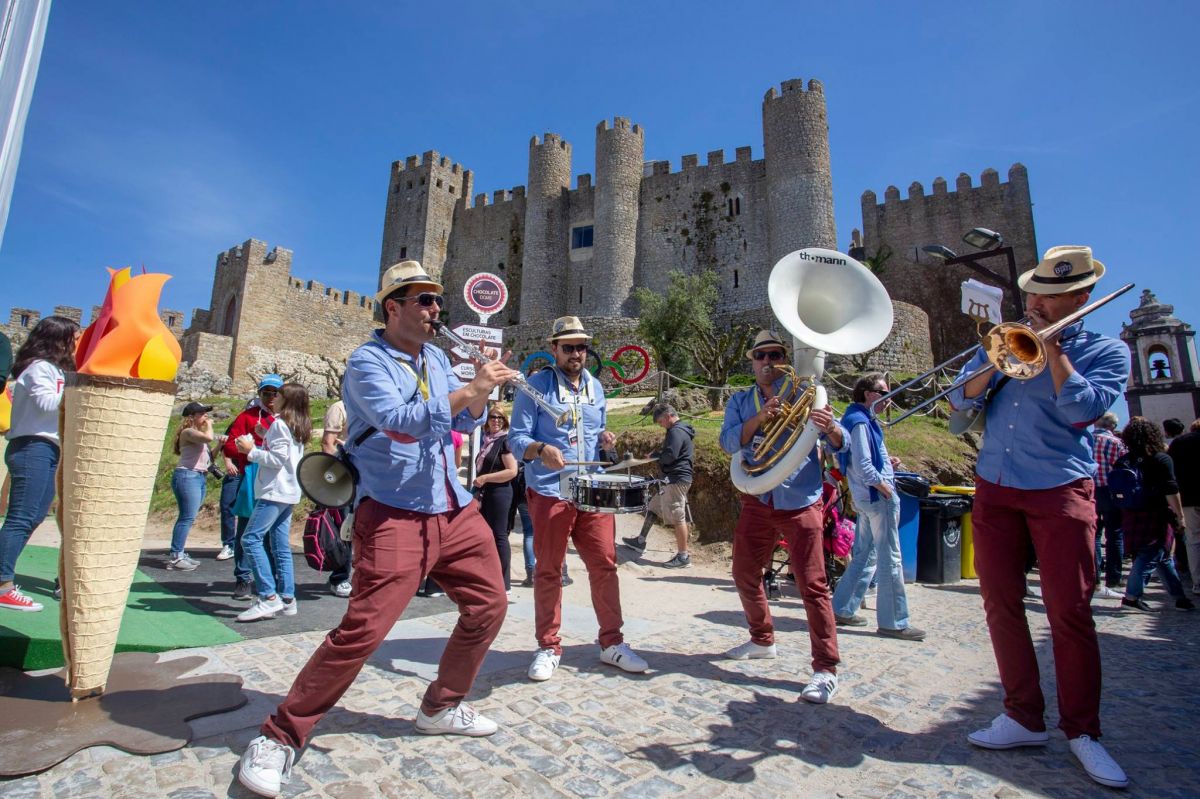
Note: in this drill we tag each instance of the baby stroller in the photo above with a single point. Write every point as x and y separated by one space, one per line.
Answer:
838 535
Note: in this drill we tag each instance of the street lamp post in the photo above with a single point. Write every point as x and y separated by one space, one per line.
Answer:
991 243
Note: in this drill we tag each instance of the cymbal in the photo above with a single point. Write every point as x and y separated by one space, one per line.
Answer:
629 463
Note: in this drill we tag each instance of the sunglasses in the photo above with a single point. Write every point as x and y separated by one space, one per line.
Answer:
878 390
495 418
269 392
772 355
571 349
426 299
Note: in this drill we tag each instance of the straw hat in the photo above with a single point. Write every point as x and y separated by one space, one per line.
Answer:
765 339
402 275
1063 269
568 327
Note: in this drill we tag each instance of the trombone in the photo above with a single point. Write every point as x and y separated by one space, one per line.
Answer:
1013 348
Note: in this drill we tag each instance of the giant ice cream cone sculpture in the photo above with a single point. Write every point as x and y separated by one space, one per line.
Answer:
115 412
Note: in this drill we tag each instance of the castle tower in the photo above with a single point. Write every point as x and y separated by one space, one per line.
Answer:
607 280
799 187
544 269
1163 380
422 196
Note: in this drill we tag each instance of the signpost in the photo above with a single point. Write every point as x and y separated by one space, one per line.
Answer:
486 295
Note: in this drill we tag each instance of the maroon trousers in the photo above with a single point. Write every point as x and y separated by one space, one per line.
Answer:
1060 523
554 522
758 531
393 552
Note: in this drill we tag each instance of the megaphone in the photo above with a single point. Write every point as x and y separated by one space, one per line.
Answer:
327 479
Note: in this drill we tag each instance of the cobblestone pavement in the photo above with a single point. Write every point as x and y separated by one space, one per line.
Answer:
696 725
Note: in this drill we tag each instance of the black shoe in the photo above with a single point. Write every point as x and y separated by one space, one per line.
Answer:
1136 604
57 590
637 542
1183 603
528 581
682 560
243 590
566 579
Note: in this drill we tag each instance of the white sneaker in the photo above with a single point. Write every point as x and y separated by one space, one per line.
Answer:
265 766
751 651
1006 732
262 609
181 562
341 589
290 607
1096 761
820 688
621 656
226 553
544 664
458 720
1108 593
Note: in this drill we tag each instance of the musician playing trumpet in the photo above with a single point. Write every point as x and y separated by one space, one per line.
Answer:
547 446
1033 486
791 510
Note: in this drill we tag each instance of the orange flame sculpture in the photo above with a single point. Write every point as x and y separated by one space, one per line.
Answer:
128 339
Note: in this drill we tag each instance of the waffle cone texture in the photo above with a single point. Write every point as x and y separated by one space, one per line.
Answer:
112 432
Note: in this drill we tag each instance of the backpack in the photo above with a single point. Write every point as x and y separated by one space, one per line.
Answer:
1126 484
324 549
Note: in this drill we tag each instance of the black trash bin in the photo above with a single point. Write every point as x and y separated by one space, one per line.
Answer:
939 538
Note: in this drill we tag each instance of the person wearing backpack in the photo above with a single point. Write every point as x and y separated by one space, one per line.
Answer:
1034 489
1144 487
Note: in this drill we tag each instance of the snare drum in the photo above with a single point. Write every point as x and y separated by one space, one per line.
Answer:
611 493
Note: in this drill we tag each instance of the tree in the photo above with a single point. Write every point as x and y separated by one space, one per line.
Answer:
679 327
667 320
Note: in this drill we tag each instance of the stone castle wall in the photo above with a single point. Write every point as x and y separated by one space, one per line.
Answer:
23 320
942 217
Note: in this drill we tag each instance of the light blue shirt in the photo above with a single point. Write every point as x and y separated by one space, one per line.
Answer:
530 424
380 390
803 486
1036 438
861 474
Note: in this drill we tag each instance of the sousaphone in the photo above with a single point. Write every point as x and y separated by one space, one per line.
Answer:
830 303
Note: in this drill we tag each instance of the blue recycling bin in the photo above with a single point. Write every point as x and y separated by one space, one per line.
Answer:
912 488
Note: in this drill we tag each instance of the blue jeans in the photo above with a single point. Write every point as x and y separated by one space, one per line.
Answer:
527 536
1150 557
1108 526
876 553
270 522
189 486
31 461
233 527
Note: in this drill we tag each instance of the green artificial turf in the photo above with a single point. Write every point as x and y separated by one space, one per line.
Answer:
155 620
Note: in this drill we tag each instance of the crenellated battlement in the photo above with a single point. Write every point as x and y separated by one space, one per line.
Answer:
795 86
430 158
619 123
691 162
498 197
316 291
550 139
988 179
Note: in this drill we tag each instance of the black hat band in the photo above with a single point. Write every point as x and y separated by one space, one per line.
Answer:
1060 280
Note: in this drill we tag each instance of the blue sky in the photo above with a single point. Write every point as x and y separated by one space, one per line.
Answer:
162 133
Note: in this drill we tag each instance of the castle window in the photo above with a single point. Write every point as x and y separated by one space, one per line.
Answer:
451 189
581 237
500 266
581 295
735 278
422 181
439 183
410 184
24 320
734 205
403 252
1159 363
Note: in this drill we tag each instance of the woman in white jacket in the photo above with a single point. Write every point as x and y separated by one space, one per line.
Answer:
33 446
276 491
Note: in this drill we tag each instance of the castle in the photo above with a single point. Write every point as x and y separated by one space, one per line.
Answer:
583 250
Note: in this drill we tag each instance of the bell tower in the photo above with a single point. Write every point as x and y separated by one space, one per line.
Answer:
1163 381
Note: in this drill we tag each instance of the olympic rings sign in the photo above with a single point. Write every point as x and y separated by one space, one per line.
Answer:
638 355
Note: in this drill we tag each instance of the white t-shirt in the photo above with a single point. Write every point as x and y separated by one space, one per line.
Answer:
36 394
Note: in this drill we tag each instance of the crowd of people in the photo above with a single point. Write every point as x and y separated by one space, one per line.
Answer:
1082 503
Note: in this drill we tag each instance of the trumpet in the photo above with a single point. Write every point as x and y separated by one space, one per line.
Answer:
519 382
